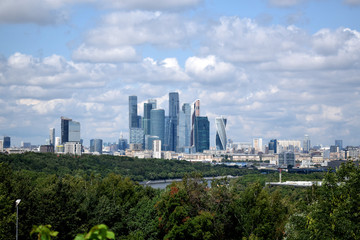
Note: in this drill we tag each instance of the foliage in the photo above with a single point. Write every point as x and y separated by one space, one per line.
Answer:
98 232
44 232
134 168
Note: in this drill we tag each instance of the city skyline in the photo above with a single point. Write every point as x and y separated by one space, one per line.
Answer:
276 69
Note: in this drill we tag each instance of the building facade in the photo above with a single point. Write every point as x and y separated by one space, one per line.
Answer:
201 134
184 129
221 140
157 122
173 114
96 145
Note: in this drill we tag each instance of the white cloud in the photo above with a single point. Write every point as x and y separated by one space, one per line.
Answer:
209 68
111 55
141 27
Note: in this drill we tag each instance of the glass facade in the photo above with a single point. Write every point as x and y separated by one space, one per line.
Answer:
173 114
221 139
202 134
183 131
157 122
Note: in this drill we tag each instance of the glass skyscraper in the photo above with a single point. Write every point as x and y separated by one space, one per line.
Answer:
70 130
195 113
96 145
157 122
173 114
133 117
151 104
221 140
183 131
201 134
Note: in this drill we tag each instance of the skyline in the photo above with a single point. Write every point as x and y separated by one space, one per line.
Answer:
275 69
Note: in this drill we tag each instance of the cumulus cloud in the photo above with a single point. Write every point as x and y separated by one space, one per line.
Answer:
45 12
142 27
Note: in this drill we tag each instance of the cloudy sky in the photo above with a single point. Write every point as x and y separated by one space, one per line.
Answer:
275 68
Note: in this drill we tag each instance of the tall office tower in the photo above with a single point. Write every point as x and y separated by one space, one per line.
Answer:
273 146
183 131
52 136
70 130
339 143
173 114
195 113
137 136
201 134
221 140
123 144
306 144
151 104
157 122
133 117
96 145
166 143
1 145
257 144
6 142
57 141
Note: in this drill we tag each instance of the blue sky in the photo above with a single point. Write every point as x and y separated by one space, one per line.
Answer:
275 68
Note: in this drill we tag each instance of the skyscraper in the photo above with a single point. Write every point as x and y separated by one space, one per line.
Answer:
195 113
151 104
306 144
70 130
273 146
6 142
339 143
96 145
157 122
173 114
133 117
221 140
52 136
201 134
184 130
257 144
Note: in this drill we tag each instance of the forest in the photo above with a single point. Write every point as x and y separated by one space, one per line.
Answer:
74 194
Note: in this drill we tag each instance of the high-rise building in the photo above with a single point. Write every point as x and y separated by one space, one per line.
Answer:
156 148
52 136
137 136
173 114
123 144
151 104
6 142
96 145
221 140
201 134
287 159
195 113
339 143
157 122
306 144
166 143
57 141
257 144
1 145
184 129
273 146
70 130
149 141
133 117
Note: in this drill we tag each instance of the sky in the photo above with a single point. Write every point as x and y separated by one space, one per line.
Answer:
274 68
